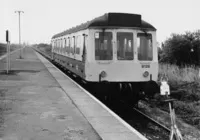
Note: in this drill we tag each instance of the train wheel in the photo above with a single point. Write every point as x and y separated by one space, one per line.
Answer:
130 93
151 88
112 93
135 94
100 90
117 91
91 87
107 92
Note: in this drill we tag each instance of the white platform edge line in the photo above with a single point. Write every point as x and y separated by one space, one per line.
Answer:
105 107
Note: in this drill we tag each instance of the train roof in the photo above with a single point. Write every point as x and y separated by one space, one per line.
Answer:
111 20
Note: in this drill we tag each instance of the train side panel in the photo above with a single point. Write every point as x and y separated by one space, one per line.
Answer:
64 55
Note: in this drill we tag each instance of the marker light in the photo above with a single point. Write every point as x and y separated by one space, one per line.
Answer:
164 88
146 74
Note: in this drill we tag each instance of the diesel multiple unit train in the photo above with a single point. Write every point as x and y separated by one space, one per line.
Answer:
115 53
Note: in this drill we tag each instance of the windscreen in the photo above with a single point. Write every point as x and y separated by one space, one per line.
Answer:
145 47
103 46
124 46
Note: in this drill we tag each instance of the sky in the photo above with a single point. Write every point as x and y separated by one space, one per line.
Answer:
44 18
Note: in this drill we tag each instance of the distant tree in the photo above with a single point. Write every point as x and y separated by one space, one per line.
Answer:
182 49
44 47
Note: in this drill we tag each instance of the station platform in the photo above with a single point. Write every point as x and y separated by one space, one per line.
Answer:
39 102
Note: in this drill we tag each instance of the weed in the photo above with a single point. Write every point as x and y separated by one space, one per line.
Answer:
185 87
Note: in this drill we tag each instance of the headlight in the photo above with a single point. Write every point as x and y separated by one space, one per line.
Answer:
103 74
146 74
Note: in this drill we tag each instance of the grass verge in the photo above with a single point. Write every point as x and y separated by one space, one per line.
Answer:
185 87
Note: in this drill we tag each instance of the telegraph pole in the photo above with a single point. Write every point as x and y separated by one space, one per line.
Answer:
19 12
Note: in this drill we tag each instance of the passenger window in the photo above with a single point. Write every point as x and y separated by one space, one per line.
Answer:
62 46
72 45
75 44
78 44
65 45
59 46
145 47
53 46
103 46
68 45
56 45
124 46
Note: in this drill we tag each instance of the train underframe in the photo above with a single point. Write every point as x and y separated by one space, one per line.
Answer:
130 92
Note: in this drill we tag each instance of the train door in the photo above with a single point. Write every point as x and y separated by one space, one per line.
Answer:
84 50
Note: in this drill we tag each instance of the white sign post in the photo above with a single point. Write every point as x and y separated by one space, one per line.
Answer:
8 50
165 91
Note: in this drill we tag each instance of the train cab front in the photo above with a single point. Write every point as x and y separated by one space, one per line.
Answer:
125 58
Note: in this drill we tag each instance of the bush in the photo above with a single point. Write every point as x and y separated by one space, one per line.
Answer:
182 49
45 48
184 108
188 112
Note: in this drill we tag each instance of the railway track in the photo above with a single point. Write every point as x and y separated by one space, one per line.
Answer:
146 125
142 122
151 119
